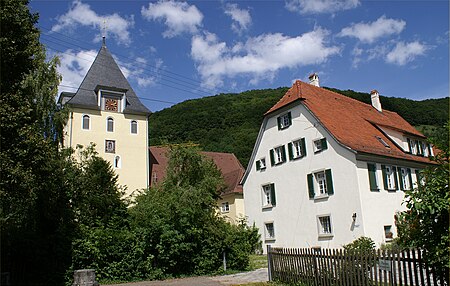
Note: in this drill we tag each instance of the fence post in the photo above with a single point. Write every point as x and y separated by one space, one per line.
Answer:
269 261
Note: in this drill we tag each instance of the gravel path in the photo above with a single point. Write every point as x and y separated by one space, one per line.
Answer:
259 275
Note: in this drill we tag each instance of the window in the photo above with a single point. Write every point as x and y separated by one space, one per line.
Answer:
320 145
320 184
269 195
117 162
412 146
110 124
324 226
390 177
225 207
405 179
261 164
388 232
86 122
373 182
297 149
284 121
110 146
269 231
278 155
154 177
425 148
134 127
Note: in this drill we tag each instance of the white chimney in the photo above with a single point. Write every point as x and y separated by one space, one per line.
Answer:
314 79
375 97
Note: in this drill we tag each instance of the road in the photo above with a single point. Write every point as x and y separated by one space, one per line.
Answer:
259 275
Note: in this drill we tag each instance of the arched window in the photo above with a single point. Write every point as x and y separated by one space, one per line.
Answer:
134 126
86 122
110 124
117 162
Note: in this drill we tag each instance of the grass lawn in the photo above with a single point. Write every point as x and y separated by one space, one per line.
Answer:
257 261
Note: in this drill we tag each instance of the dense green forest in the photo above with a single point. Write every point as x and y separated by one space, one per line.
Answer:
230 122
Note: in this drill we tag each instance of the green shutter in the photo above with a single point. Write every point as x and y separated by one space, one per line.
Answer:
303 144
273 200
290 151
383 170
283 153
289 118
311 186
409 178
394 169
400 175
419 179
372 169
409 144
279 123
323 141
258 165
330 189
272 157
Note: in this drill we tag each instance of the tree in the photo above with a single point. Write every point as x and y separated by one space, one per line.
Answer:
35 217
426 224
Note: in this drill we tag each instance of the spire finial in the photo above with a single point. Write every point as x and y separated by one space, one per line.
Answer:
104 32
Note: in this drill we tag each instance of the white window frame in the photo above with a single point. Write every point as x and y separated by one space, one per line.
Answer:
262 163
321 183
225 207
388 229
284 121
325 225
297 149
317 145
278 154
413 147
425 149
267 195
82 122
390 176
269 231
107 124
405 178
131 127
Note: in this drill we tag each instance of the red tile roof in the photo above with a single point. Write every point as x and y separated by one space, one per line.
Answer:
353 123
230 167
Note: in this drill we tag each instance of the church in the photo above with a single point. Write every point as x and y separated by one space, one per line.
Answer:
107 112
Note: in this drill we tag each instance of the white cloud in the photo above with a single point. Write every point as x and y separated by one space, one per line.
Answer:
260 57
242 19
82 14
179 17
320 6
404 53
369 32
74 66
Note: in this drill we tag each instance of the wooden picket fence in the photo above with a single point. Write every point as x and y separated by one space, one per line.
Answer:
339 267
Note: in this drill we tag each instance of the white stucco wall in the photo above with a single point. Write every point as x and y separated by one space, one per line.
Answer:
295 214
132 148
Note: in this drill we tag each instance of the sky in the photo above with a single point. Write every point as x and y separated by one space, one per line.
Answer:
172 51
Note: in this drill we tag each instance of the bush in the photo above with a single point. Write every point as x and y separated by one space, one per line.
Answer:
361 244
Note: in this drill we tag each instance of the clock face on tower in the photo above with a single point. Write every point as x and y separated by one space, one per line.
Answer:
111 104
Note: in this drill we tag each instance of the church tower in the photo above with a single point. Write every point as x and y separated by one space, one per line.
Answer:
106 111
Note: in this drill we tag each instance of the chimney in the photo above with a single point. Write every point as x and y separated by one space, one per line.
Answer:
314 79
375 97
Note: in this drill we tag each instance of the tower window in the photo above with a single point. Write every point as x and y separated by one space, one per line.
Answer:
86 122
110 124
134 127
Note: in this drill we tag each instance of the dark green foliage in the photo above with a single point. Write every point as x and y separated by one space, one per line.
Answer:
230 122
222 123
426 224
363 243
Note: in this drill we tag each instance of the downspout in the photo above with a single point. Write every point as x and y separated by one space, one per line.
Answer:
148 152
71 126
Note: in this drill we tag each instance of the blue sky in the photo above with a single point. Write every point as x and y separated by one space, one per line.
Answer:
172 51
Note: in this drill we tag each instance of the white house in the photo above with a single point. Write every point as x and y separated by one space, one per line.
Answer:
327 169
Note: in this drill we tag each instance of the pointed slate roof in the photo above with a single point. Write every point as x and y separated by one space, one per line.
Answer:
352 123
104 73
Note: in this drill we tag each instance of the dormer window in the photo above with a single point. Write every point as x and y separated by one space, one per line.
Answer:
112 101
381 140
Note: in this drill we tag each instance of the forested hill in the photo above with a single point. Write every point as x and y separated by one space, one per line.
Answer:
231 122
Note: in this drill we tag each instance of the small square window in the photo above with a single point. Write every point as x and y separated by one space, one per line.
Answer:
110 146
225 207
261 164
320 145
269 231
284 121
324 225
